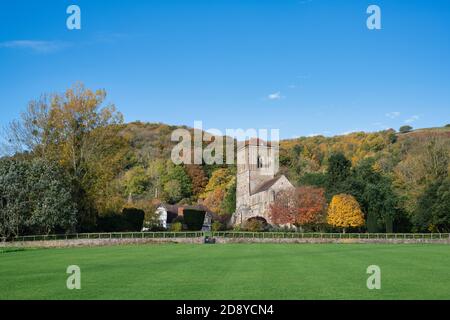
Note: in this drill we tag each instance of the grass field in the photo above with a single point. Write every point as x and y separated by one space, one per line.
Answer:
231 271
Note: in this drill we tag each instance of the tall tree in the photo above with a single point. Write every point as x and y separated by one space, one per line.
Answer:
219 185
337 173
77 130
433 211
198 178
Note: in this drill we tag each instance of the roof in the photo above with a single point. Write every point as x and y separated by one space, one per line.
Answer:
266 185
198 207
174 208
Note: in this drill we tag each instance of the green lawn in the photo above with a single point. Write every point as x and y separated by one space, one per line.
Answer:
231 271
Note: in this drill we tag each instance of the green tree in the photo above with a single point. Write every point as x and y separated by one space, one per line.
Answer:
405 129
433 212
229 200
35 197
136 181
177 184
337 173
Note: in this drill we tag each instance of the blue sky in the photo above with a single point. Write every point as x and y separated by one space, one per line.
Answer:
306 66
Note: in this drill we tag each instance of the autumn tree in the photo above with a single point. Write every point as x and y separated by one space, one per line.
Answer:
78 131
198 178
311 205
283 211
344 212
423 164
222 181
304 206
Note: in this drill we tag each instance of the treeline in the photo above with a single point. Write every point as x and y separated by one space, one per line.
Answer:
73 165
400 180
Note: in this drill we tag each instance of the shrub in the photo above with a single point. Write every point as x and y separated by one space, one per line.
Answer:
216 226
134 218
110 223
176 227
255 225
193 219
131 219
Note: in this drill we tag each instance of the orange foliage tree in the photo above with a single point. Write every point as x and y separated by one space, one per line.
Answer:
198 178
303 206
344 212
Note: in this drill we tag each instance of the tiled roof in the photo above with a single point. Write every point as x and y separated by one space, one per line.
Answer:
266 185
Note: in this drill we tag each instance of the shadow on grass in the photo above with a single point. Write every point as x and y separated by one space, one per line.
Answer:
9 250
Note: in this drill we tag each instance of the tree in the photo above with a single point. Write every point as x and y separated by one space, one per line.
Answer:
433 212
311 205
344 212
219 189
78 131
284 209
337 173
35 197
304 206
228 205
177 184
136 181
375 194
405 129
172 191
423 164
198 178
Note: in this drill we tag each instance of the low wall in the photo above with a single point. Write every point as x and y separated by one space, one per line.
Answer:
199 240
96 242
341 241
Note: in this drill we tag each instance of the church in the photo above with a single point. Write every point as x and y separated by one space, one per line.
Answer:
257 183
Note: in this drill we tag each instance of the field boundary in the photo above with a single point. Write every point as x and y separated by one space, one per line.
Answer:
96 239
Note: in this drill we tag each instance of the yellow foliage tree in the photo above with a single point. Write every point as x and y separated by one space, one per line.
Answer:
344 211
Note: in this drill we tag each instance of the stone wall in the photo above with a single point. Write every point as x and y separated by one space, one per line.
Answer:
96 242
337 241
219 240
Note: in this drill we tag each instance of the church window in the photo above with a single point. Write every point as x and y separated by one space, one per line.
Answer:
259 162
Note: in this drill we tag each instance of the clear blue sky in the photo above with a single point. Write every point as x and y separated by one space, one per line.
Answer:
304 66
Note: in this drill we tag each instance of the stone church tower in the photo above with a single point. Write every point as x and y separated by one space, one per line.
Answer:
256 181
